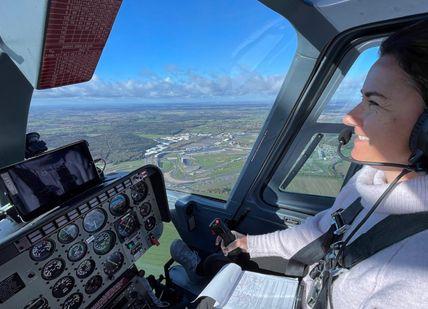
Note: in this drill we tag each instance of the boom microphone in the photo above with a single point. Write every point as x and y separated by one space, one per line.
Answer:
344 138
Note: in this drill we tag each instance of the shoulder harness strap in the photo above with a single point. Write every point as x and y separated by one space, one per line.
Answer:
316 250
387 232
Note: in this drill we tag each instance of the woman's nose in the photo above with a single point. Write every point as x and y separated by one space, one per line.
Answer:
353 117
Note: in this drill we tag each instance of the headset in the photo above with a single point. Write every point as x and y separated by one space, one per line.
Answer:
418 144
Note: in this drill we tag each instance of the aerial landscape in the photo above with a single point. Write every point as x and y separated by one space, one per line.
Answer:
200 147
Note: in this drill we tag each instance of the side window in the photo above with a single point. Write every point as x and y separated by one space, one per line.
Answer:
323 172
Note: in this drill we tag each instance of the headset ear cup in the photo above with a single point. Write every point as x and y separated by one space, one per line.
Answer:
418 142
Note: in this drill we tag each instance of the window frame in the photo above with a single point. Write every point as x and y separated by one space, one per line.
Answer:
304 202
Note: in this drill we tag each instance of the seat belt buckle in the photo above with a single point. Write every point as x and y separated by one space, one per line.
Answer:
315 291
338 222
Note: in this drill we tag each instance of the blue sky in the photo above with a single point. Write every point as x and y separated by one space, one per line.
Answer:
204 36
188 51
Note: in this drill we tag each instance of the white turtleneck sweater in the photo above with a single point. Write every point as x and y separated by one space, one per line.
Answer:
396 277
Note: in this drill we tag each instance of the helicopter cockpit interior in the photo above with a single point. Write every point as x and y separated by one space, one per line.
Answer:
72 233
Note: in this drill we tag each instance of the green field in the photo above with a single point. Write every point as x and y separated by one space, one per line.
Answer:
154 259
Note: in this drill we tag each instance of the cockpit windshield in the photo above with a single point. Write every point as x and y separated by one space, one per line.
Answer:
184 87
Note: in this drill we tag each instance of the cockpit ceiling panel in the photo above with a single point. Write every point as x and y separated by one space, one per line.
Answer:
56 42
76 32
346 14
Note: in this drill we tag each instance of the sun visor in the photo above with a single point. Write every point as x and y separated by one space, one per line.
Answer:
56 42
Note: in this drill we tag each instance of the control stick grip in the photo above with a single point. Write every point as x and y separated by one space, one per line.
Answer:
218 228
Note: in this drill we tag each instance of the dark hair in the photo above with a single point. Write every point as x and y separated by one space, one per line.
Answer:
409 46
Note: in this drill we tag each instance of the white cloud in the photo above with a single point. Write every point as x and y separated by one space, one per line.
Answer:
175 85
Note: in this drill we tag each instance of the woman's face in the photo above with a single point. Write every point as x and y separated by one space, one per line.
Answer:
384 119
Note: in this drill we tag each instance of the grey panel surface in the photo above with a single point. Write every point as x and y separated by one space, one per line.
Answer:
22 29
352 13
15 97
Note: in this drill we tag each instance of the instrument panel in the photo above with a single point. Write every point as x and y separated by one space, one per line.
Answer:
72 258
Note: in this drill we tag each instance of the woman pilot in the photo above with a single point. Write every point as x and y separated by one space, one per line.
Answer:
394 96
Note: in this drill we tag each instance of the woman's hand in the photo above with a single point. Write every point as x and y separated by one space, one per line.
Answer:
240 242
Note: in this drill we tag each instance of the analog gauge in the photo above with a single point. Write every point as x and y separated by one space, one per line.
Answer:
42 250
77 251
139 192
104 242
85 268
126 225
53 269
150 223
63 286
141 187
73 301
93 284
94 220
145 209
67 234
113 263
119 204
137 197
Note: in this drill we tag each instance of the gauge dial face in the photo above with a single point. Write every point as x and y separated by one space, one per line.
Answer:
113 263
94 220
77 251
93 284
150 223
119 205
145 209
139 192
53 269
137 197
68 233
63 286
104 242
85 269
73 301
42 250
126 225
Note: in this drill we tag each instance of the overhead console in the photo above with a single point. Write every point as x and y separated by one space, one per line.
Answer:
81 253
